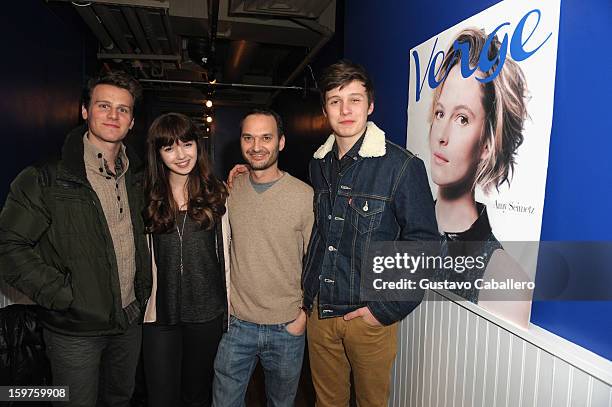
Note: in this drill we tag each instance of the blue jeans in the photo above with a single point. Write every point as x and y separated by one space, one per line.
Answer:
280 353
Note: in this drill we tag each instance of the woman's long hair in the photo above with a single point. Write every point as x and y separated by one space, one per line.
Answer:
205 193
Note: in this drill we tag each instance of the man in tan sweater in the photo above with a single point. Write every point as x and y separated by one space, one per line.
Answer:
271 219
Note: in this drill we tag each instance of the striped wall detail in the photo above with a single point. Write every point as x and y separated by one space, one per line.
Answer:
449 356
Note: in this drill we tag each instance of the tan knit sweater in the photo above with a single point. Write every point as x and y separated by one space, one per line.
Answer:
270 233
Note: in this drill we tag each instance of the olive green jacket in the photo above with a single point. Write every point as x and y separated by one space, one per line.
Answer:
56 248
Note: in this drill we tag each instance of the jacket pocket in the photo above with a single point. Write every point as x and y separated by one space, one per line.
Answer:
93 299
366 213
73 213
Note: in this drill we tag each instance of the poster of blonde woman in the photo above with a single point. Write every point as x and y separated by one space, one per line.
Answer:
479 115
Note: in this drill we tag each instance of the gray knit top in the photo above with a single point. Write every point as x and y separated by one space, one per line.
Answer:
196 295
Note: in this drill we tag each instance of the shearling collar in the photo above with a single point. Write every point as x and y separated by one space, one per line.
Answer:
373 143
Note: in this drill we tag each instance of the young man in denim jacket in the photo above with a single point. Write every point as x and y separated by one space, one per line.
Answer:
366 189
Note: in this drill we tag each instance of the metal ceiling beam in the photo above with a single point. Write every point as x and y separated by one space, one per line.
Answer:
113 28
96 26
144 57
227 85
213 20
147 26
172 40
279 8
134 24
159 4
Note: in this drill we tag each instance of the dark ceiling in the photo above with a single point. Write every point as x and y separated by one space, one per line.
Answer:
242 51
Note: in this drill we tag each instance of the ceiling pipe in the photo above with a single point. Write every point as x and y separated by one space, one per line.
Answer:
96 27
144 57
154 4
325 33
213 21
113 29
227 85
147 26
172 40
134 24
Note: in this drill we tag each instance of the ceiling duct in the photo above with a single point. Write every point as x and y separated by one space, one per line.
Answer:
113 28
197 48
261 45
134 24
149 30
279 8
96 27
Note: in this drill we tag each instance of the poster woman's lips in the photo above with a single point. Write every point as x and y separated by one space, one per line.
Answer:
439 158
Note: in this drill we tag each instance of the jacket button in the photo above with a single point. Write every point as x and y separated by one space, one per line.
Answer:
331 248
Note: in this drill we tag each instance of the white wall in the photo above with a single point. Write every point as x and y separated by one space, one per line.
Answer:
453 354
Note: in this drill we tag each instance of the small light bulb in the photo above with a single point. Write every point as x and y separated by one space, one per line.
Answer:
209 103
209 119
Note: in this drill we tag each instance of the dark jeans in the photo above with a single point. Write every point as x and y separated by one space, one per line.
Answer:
179 362
98 370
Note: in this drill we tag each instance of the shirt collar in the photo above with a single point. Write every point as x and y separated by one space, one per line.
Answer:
354 151
480 229
95 159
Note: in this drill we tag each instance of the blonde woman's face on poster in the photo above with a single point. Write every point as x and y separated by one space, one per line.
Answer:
456 130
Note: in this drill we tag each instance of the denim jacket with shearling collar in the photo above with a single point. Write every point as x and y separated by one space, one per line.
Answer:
383 195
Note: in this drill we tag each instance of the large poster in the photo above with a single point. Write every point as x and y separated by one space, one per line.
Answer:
479 115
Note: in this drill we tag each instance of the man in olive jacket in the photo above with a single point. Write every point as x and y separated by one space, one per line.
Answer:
71 239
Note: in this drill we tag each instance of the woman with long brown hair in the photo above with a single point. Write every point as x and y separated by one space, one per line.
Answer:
187 310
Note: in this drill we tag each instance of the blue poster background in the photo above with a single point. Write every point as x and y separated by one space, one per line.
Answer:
579 183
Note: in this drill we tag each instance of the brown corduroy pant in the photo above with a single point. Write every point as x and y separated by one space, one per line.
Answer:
336 347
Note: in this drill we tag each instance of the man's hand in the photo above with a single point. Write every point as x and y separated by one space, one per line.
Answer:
298 326
366 314
236 171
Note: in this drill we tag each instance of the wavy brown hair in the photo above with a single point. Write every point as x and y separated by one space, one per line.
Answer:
505 103
206 194
341 74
